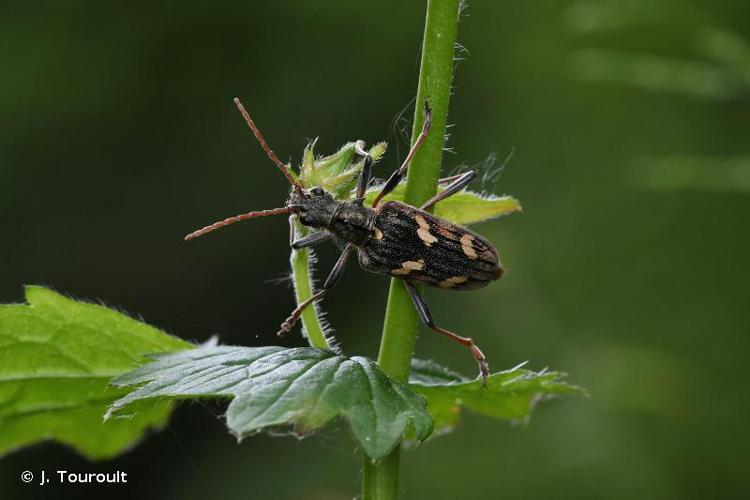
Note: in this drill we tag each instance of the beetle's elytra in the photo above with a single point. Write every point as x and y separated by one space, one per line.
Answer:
428 249
394 238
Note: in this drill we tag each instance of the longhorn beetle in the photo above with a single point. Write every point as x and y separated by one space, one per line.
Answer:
394 238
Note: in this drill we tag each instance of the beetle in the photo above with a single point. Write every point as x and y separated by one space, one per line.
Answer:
394 238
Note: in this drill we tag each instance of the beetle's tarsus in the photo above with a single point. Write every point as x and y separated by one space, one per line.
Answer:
427 114
286 327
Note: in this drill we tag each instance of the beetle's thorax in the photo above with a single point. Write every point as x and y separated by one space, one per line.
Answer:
348 221
352 222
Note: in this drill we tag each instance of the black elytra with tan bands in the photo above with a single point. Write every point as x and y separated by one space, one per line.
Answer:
416 246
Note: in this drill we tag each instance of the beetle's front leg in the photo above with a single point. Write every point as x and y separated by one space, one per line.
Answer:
292 232
424 314
311 240
331 281
365 174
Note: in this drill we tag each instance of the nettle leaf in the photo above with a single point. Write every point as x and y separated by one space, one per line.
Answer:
510 394
466 207
428 372
57 357
302 388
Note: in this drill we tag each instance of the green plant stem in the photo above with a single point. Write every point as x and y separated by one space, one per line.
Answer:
300 260
380 481
400 325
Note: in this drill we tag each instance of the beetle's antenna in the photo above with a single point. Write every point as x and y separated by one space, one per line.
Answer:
237 218
265 146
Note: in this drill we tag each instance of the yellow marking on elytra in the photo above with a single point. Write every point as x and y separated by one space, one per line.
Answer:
409 266
424 231
489 256
446 233
468 247
378 234
453 281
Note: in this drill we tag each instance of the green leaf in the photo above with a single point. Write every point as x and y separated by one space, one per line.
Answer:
428 372
276 387
57 357
466 207
510 394
338 172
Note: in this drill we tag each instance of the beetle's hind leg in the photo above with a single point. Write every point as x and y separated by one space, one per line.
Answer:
458 183
424 314
333 278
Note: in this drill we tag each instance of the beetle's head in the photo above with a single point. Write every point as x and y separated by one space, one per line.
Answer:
314 207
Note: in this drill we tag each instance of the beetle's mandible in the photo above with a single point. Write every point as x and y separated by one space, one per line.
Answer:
394 238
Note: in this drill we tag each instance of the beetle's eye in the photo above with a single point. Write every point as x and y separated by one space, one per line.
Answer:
317 191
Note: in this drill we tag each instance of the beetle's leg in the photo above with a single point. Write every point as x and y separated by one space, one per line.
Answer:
457 185
306 241
292 232
448 180
399 174
424 314
366 173
333 278
311 240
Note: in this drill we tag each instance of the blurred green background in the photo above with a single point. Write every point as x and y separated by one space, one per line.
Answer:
628 268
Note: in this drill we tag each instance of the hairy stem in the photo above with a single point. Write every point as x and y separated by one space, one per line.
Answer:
303 290
400 326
